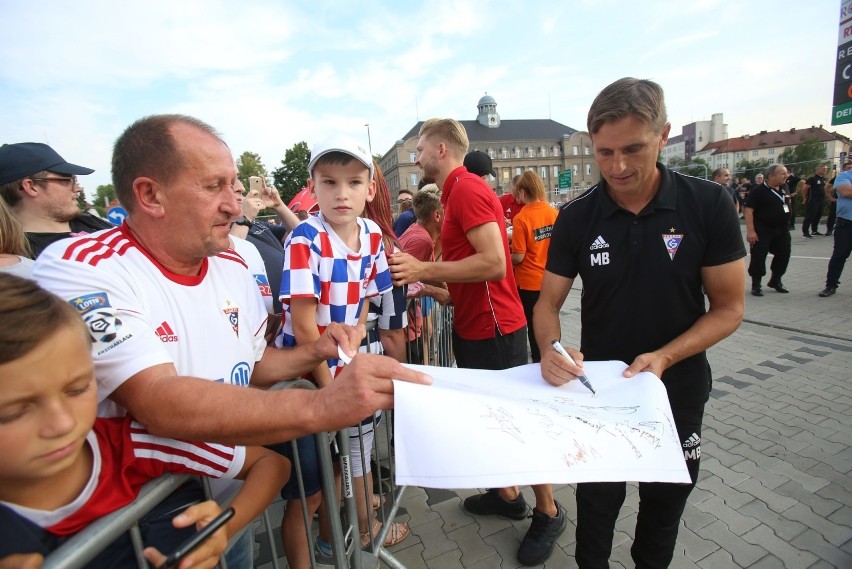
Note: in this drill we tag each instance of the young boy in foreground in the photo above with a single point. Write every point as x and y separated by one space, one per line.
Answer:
63 468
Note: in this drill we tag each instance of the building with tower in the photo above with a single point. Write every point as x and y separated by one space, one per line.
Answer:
514 145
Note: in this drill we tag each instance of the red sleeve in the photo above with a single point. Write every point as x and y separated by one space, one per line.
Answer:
477 207
419 247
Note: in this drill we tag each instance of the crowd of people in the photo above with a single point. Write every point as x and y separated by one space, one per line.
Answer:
154 330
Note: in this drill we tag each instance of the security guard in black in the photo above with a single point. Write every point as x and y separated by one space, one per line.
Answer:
767 215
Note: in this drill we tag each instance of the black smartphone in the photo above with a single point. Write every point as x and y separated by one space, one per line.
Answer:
193 542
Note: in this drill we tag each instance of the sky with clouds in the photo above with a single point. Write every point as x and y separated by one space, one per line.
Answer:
268 74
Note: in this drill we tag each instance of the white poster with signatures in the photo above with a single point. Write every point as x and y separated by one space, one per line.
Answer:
484 429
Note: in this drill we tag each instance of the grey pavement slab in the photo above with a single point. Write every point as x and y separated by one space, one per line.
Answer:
775 487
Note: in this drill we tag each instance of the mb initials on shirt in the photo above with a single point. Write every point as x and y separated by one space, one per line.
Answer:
599 257
165 333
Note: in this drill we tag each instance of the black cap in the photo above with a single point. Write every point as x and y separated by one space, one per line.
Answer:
23 159
479 163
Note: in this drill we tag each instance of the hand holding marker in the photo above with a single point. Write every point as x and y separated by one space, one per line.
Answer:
583 379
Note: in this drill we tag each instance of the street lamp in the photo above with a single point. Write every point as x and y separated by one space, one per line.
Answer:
369 142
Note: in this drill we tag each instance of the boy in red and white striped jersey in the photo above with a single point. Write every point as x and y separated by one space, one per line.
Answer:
62 468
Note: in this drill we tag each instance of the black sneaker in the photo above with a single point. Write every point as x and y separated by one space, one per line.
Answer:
491 504
755 291
541 537
807 236
828 291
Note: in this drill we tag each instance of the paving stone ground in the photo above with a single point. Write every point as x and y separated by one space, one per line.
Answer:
775 489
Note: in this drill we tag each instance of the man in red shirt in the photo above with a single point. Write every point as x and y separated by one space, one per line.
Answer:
489 328
511 202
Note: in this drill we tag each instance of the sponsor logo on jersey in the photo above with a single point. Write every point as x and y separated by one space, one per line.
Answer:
672 242
263 285
88 302
692 447
368 275
599 243
103 326
543 233
107 330
241 374
232 312
165 333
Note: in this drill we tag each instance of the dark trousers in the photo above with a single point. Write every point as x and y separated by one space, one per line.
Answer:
792 215
660 508
528 300
842 249
813 213
775 240
499 352
831 219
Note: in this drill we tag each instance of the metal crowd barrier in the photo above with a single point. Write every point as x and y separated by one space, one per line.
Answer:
433 344
85 545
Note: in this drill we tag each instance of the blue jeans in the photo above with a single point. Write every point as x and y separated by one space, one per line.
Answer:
842 249
240 553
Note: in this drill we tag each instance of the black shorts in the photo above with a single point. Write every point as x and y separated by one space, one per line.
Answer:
499 352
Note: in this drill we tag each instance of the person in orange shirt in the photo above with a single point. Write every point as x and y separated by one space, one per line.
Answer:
530 242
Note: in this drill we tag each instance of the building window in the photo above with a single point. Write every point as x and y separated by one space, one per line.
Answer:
576 150
412 179
771 151
491 153
543 151
504 152
518 171
576 169
412 157
588 169
556 150
754 152
505 174
587 150
556 171
530 152
543 172
517 152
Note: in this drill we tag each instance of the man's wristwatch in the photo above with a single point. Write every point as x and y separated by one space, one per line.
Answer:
244 221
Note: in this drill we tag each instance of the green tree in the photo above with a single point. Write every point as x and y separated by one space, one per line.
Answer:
81 200
751 168
249 164
292 175
695 166
804 157
104 194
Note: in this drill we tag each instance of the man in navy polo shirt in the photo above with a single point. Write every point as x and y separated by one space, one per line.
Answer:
648 244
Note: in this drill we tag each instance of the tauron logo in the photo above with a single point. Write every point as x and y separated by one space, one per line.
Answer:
599 243
165 333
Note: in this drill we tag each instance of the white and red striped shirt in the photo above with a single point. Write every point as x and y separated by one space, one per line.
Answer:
140 314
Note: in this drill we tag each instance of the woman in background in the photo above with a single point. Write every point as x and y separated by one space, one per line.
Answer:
530 242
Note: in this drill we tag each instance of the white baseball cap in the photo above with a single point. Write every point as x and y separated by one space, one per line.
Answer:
345 145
